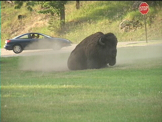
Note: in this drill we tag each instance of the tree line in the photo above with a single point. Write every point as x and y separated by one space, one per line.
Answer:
54 8
57 8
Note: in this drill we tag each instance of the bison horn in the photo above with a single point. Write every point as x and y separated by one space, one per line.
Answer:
100 42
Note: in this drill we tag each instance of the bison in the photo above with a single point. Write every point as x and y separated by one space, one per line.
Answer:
94 52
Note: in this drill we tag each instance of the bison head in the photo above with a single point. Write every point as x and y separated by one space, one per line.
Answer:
108 42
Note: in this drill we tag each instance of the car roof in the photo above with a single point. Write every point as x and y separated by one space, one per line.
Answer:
36 33
32 33
39 34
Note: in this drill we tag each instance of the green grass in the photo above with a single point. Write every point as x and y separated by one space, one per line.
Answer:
93 16
114 94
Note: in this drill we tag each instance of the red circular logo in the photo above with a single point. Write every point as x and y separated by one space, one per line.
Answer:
144 8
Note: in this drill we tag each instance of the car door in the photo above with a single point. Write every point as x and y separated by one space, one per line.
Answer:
43 42
23 40
34 42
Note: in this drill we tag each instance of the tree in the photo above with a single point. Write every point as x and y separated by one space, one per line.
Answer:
77 4
153 3
55 8
29 5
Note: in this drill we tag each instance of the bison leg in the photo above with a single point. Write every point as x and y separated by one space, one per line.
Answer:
75 65
91 64
77 61
95 64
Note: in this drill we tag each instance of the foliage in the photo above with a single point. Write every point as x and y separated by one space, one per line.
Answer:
52 7
29 4
57 11
54 24
153 3
134 15
92 16
55 8
0 24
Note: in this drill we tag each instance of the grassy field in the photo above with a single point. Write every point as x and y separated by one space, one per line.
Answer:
124 93
130 91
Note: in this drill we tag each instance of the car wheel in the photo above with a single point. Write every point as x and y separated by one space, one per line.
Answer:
17 49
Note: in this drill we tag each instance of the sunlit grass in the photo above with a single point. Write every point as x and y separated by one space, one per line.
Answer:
120 93
41 86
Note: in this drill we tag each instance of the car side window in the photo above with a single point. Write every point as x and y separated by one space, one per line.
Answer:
33 36
24 37
44 37
41 37
36 36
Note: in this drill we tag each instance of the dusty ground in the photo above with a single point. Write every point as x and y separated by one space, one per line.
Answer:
128 54
6 53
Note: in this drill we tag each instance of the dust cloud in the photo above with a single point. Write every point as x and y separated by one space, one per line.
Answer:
44 44
44 62
49 58
56 60
139 55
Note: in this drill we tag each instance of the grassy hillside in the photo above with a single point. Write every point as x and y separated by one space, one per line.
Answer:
92 16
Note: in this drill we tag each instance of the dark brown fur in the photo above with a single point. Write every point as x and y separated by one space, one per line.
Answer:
89 53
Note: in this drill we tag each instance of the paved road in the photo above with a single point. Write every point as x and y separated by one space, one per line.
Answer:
50 60
10 53
6 53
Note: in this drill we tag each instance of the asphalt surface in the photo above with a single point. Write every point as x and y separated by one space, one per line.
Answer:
7 53
128 54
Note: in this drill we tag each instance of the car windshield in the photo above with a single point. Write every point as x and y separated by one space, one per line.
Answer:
46 36
20 36
24 37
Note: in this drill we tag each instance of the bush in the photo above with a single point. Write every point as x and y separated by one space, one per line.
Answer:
54 24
